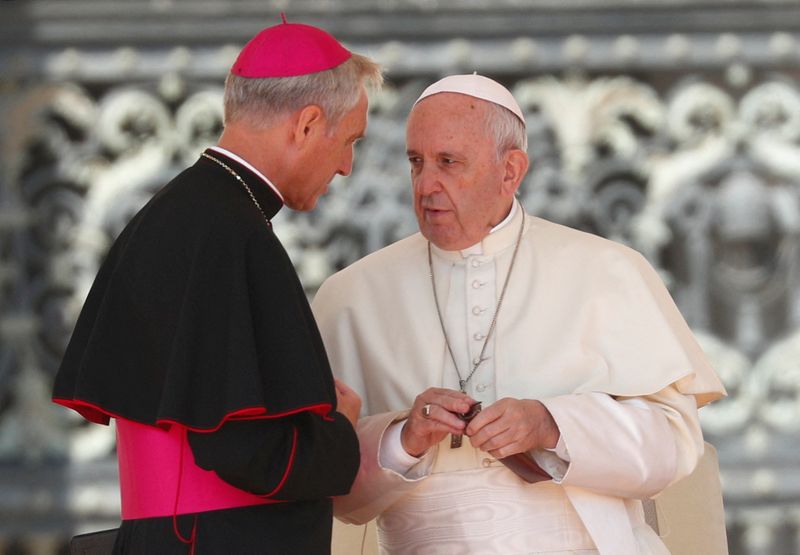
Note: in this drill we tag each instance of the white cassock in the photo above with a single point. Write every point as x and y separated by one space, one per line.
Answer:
586 327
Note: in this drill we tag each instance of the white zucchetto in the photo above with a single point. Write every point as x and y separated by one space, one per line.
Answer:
476 86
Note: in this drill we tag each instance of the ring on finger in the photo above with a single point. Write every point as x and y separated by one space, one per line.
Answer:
426 410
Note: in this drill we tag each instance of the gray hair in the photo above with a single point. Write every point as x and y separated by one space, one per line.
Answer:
263 101
506 128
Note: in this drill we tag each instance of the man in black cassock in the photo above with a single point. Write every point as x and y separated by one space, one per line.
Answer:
197 337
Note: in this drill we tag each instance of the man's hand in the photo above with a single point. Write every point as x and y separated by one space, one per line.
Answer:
347 401
420 433
512 426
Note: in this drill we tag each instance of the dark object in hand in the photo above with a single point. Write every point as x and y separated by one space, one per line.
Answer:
455 440
471 413
521 464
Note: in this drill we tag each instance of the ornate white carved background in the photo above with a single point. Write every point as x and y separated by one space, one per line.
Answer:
684 145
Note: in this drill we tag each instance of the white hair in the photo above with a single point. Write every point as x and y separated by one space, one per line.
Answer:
262 101
506 128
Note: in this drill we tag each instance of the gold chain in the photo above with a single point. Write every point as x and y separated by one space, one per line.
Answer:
239 178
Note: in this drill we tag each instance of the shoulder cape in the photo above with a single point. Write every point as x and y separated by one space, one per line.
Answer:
581 314
197 315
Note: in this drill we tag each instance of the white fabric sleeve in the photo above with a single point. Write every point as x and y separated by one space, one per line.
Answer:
377 487
561 449
553 461
630 447
393 456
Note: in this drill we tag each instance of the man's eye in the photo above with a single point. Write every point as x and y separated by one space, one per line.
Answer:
448 161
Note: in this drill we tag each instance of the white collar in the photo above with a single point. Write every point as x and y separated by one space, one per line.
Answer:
477 248
249 166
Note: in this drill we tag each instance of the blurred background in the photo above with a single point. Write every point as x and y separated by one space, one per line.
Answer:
669 125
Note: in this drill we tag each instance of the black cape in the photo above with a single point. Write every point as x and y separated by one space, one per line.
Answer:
197 317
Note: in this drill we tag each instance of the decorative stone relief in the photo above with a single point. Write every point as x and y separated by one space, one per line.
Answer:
698 171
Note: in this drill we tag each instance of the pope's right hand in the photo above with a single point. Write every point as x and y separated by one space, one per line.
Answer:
421 432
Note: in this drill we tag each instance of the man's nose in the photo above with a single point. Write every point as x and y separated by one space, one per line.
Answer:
346 166
426 180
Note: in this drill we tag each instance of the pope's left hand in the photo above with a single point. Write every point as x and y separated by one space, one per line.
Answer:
511 426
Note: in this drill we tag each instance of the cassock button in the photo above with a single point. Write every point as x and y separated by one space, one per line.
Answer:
478 336
477 284
487 462
477 311
476 263
481 387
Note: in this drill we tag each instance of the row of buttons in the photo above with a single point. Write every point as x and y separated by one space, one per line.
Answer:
479 311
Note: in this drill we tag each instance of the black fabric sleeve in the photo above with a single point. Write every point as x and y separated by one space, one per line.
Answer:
294 458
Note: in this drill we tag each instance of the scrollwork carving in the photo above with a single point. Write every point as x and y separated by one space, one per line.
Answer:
701 176
128 119
776 379
198 123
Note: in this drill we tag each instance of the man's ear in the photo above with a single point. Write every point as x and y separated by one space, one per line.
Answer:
516 166
310 121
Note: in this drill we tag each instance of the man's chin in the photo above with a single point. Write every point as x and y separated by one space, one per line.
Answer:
441 240
303 205
308 206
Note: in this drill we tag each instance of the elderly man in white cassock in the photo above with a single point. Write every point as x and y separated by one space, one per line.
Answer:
588 377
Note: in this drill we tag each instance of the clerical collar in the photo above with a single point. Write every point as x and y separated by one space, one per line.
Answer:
250 167
477 248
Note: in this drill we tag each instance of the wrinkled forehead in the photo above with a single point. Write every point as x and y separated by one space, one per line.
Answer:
449 123
449 110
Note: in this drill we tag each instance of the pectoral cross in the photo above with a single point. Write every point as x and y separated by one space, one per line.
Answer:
456 439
